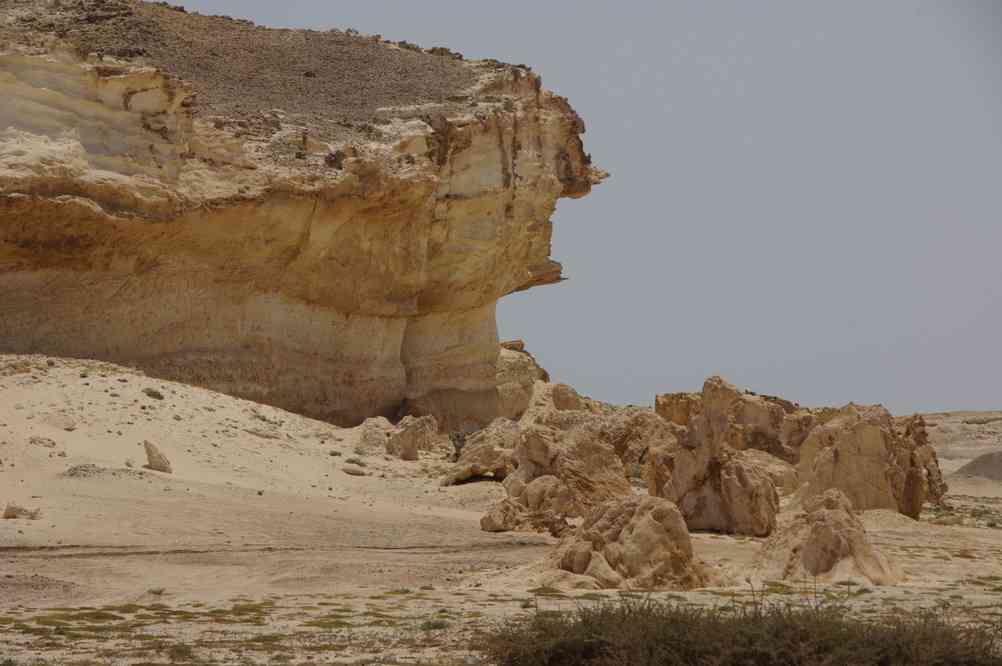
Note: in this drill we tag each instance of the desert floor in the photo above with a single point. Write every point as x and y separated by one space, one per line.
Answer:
261 548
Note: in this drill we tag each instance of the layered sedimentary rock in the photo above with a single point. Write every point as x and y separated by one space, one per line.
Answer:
321 221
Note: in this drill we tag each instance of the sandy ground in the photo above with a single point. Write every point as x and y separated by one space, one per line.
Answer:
960 437
261 548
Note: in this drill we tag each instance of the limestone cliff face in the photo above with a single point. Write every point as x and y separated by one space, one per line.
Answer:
262 253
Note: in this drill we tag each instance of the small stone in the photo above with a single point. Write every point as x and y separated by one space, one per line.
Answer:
155 460
153 393
18 512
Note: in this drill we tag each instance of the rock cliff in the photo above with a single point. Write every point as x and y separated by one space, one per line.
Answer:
323 221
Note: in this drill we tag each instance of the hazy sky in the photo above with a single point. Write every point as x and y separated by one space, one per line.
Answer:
806 197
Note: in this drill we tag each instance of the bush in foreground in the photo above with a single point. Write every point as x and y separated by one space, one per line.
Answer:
650 633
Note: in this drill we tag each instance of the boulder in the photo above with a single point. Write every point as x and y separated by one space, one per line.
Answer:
511 516
726 491
826 542
587 467
504 516
487 452
155 460
783 474
633 431
517 374
414 434
548 493
859 452
564 472
373 434
632 542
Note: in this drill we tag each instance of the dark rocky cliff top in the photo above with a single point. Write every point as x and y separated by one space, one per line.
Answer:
337 78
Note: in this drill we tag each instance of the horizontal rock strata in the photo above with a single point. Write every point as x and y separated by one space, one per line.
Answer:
319 221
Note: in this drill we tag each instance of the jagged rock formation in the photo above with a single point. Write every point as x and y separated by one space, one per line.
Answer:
414 434
862 451
634 542
826 542
566 455
567 472
563 459
716 489
509 515
859 452
488 452
705 470
517 375
784 475
321 221
723 415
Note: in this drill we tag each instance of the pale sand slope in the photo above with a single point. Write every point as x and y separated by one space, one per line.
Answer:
259 544
959 437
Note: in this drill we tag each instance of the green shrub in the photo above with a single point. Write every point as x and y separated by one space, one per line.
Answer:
649 633
434 625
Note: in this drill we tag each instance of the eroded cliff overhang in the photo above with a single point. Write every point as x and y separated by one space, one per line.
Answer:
339 265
